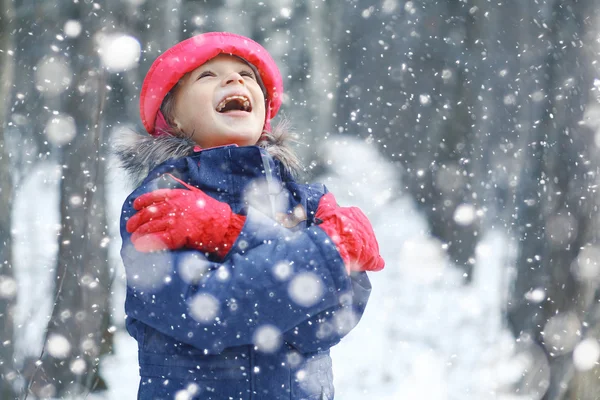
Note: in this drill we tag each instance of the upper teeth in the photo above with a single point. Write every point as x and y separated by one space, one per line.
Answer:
245 102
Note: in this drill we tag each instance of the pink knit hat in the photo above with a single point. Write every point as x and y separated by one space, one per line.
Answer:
188 55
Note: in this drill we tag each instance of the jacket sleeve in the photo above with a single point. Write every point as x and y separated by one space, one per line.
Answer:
280 282
326 329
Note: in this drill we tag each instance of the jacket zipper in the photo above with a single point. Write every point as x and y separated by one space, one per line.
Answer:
271 186
251 372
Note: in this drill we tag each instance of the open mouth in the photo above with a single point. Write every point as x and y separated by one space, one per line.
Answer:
234 103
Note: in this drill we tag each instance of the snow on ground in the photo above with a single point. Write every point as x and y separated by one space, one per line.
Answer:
35 231
425 334
120 370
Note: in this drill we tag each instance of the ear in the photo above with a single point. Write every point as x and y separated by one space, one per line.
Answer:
178 125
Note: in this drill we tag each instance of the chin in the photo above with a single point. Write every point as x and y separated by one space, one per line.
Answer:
245 138
246 142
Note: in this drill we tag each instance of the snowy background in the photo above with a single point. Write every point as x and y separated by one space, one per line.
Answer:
477 126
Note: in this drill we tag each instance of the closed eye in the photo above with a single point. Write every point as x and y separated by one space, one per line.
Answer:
205 74
247 73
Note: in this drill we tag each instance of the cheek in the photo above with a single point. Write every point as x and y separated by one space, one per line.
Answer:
260 98
189 105
262 109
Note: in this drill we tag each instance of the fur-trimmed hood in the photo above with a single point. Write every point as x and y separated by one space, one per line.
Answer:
138 153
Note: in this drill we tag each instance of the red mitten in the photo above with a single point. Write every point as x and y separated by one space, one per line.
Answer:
177 218
351 231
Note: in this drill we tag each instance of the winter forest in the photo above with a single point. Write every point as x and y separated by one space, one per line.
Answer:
468 131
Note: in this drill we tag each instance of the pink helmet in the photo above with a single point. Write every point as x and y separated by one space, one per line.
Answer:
188 55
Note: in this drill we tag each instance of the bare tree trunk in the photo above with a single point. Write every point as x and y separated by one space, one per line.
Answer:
8 293
555 201
77 334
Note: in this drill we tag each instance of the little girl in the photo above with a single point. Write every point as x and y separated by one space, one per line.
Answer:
239 279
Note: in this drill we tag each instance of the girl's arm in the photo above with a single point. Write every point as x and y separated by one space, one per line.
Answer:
327 328
250 289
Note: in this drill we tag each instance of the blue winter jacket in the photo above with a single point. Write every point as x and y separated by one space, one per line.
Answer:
260 323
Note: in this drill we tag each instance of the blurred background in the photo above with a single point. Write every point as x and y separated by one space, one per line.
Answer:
467 130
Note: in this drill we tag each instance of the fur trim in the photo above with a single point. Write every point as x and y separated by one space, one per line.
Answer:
277 144
138 153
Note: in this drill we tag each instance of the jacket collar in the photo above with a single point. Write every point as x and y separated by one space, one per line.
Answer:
138 154
239 176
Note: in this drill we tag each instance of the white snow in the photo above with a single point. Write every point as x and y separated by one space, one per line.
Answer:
464 214
305 289
389 6
585 356
282 271
72 28
53 75
587 266
119 52
61 129
204 307
58 346
267 338
35 232
192 267
562 332
8 287
255 192
78 366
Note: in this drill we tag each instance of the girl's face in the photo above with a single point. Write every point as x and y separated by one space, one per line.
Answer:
220 103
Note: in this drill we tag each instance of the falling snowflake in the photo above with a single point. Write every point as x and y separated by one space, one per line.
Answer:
464 214
282 270
267 339
72 28
204 307
305 289
61 129
586 353
192 267
266 196
78 366
536 295
424 99
345 320
119 52
53 76
561 333
58 346
8 287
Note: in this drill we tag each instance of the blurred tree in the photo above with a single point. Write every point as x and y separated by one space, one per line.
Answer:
8 292
28 110
556 201
481 103
78 331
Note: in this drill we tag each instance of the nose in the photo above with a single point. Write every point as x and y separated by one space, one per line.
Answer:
234 77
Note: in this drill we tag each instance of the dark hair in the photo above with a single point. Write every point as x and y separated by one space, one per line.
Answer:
167 108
